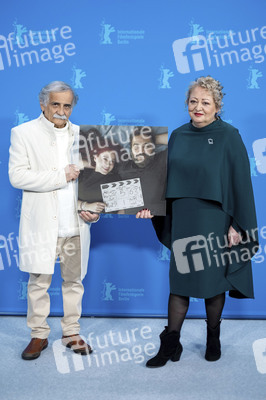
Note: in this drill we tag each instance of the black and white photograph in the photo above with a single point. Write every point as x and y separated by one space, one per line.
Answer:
123 169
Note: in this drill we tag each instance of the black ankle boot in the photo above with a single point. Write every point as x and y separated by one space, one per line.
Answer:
213 347
170 349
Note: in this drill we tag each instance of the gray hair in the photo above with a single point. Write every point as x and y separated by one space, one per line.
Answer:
213 86
56 86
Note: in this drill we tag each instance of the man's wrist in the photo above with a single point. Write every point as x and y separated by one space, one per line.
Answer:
83 206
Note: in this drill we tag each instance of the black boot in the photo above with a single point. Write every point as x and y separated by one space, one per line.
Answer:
213 346
170 349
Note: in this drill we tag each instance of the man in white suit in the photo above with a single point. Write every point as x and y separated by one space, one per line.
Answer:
44 159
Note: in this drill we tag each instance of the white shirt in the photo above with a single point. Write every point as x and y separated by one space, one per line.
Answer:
67 215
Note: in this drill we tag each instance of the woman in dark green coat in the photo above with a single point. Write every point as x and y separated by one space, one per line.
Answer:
210 226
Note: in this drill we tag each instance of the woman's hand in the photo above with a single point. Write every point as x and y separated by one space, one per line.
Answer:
234 238
144 214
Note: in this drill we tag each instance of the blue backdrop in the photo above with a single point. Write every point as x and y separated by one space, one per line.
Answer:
119 55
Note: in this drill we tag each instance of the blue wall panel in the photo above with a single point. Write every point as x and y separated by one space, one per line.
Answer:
118 55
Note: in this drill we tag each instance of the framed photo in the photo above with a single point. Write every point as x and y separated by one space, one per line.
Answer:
123 168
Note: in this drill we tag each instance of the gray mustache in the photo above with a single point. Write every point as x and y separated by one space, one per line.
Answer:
59 116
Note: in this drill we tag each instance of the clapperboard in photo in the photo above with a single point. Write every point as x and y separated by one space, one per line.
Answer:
122 195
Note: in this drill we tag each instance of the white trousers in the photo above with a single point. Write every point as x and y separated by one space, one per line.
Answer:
68 251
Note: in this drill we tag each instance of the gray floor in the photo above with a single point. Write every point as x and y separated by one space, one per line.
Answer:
116 369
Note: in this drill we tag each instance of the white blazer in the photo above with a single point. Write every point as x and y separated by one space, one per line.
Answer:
33 168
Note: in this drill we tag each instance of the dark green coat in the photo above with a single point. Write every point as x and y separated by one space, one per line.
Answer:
216 158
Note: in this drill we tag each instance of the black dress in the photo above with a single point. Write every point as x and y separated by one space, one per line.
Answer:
208 189
152 179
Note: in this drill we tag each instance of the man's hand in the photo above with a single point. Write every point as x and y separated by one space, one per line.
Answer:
88 217
233 237
72 172
96 207
144 214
